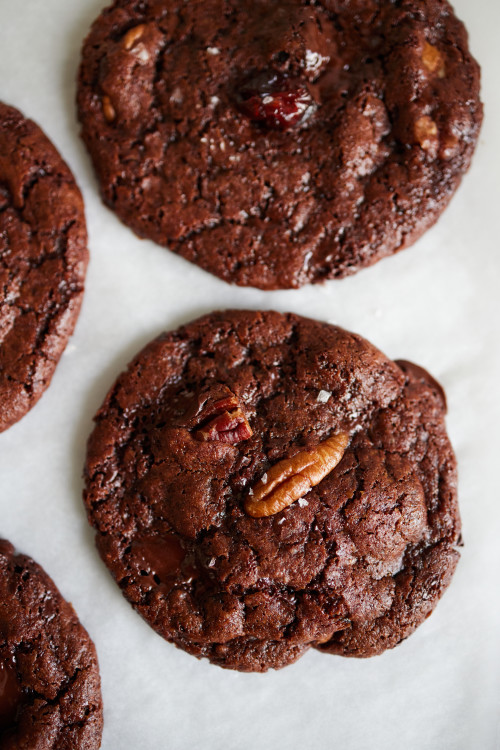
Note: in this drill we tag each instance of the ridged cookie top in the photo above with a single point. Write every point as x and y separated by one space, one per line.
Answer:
279 143
347 451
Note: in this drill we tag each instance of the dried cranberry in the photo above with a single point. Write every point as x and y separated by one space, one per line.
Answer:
276 101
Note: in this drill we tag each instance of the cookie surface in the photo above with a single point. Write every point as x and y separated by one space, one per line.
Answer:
50 694
43 254
287 142
202 418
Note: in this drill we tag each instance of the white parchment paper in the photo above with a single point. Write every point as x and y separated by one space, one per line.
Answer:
437 304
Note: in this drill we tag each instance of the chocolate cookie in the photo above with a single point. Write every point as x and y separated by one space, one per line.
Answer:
43 259
276 143
50 694
262 483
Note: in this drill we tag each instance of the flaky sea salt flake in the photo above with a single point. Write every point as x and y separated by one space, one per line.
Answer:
323 396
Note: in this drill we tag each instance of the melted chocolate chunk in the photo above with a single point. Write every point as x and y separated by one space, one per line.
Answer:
161 558
10 695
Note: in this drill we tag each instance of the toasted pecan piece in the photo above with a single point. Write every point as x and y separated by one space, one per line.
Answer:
291 478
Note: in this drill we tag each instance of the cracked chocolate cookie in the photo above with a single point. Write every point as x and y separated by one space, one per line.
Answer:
50 693
276 143
261 483
43 260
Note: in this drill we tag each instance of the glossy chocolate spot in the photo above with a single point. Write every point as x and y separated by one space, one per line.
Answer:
159 557
10 695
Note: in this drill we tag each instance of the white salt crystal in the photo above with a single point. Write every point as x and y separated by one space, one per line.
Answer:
324 396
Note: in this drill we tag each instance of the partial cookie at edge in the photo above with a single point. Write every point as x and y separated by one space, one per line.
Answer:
51 695
43 260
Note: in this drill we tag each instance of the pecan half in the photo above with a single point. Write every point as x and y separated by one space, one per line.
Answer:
132 36
226 421
292 478
426 133
229 427
108 109
433 60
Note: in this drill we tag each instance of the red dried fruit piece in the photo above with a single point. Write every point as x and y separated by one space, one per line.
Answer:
229 427
275 101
